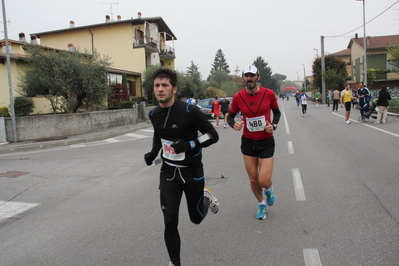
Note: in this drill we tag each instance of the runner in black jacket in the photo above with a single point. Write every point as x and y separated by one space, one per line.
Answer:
176 125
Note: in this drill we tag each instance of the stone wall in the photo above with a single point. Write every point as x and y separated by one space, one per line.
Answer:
52 126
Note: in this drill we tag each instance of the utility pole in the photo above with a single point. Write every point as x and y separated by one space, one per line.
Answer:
364 43
304 78
14 126
323 71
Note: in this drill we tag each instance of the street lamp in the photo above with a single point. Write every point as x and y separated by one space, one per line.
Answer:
304 77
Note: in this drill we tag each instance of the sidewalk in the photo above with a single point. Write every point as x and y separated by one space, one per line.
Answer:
92 136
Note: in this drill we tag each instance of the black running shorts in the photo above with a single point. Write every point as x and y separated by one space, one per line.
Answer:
348 106
263 148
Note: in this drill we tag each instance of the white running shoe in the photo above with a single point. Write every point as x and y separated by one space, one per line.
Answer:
213 201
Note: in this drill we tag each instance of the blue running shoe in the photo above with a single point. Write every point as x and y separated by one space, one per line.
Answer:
261 213
270 198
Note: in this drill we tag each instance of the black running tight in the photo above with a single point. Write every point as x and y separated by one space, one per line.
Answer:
173 182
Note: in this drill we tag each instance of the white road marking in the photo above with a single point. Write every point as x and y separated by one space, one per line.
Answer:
148 130
311 256
136 135
77 145
111 140
9 209
298 186
373 127
287 128
290 147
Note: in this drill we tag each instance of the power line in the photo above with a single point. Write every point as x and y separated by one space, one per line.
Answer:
342 35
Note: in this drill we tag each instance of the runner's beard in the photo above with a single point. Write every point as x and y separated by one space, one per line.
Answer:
251 86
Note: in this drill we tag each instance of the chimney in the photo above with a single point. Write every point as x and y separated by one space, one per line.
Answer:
22 37
71 24
139 15
356 36
118 18
71 48
33 39
4 47
107 18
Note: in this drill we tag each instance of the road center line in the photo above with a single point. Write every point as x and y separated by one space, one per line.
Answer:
311 256
290 147
298 186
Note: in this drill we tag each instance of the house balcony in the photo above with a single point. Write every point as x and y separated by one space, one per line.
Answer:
167 52
148 43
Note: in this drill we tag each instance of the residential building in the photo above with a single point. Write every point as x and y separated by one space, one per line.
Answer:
377 58
132 45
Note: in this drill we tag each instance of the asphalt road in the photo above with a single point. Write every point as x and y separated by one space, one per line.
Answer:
97 203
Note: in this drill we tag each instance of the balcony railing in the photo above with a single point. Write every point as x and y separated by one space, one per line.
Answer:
147 41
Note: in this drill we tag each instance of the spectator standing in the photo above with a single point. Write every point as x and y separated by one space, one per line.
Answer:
382 104
346 99
335 97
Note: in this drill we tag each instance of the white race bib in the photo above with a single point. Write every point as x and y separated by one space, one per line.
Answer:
256 123
169 152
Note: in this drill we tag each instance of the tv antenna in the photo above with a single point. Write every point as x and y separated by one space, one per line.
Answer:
8 22
110 5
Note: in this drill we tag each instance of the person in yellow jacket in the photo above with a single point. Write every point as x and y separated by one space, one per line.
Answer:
346 99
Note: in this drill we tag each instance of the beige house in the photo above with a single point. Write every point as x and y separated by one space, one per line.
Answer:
378 58
132 44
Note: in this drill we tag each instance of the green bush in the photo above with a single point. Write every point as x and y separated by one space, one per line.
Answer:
23 106
127 104
4 111
394 103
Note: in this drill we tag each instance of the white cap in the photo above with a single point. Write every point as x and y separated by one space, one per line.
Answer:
250 69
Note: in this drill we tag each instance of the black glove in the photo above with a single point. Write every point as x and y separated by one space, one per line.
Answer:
183 146
149 157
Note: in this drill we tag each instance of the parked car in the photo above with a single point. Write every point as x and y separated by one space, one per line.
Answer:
206 111
207 103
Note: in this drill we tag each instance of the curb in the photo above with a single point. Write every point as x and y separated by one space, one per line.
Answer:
66 142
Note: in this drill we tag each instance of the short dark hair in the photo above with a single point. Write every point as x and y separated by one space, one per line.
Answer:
164 72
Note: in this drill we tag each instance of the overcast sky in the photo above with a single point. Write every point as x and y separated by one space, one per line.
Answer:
284 32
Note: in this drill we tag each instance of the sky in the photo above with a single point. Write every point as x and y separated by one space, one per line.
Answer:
286 34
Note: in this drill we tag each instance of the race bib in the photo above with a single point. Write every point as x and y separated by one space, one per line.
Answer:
169 153
256 123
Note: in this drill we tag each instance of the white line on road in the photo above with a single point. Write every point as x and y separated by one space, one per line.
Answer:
298 186
287 128
147 130
373 127
290 147
136 135
311 256
111 140
9 209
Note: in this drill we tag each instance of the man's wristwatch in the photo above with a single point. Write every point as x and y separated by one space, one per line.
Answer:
274 126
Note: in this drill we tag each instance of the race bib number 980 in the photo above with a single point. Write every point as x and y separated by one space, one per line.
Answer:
256 123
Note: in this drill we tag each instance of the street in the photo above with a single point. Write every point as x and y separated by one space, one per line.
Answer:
97 203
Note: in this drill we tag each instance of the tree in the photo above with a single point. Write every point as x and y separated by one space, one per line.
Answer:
220 63
335 78
195 76
266 79
65 78
394 58
217 77
148 83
